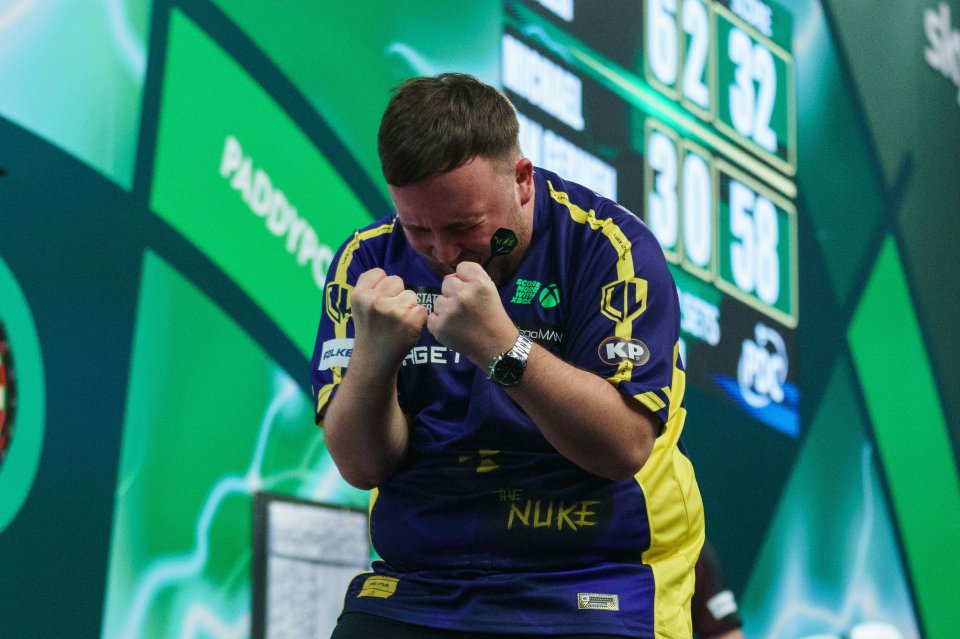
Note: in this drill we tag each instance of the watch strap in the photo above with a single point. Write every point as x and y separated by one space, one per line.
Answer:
516 357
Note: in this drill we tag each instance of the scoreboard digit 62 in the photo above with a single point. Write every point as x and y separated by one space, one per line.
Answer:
688 119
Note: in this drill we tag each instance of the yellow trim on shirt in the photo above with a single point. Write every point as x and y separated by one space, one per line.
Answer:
651 400
674 506
677 530
625 270
340 278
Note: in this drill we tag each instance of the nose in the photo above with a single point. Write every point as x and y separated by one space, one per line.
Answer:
446 252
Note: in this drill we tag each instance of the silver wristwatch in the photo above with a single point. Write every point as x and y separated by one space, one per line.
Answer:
507 368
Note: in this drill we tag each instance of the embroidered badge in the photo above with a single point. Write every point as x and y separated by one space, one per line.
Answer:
595 601
379 586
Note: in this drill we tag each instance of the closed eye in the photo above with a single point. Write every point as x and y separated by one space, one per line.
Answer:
452 229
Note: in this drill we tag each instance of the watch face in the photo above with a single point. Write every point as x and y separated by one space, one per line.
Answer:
509 370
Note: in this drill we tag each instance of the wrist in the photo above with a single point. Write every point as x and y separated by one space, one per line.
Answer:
508 367
371 362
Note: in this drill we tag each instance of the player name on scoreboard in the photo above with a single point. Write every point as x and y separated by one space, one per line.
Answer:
687 117
717 101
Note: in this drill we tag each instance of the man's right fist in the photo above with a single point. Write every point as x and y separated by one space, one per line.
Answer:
387 318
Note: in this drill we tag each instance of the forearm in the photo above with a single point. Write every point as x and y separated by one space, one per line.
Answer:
584 417
364 428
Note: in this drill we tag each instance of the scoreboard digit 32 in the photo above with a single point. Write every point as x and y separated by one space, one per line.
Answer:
688 119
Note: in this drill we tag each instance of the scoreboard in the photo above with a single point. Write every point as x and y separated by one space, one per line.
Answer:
685 112
213 227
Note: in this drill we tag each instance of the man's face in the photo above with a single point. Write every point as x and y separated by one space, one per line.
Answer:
449 218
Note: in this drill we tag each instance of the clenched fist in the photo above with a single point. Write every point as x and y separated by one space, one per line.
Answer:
387 319
469 317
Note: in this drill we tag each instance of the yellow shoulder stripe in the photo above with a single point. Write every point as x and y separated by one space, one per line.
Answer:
340 279
340 273
623 327
651 401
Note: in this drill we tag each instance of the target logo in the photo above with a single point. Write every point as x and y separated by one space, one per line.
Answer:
8 394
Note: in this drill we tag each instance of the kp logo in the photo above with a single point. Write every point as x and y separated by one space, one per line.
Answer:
337 301
615 350
624 300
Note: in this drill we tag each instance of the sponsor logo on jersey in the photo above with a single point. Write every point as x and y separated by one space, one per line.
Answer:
597 601
431 355
624 300
379 586
529 290
616 350
335 352
525 291
337 301
549 296
543 335
426 296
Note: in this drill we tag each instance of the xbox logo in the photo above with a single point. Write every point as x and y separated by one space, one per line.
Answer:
549 296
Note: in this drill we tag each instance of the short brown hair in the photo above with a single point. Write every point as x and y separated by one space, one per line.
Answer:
435 124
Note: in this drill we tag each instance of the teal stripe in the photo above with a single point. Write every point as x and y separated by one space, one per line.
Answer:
912 438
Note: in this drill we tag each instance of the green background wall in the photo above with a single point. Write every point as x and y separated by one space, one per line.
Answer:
174 176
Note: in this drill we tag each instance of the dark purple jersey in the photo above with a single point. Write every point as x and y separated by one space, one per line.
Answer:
484 526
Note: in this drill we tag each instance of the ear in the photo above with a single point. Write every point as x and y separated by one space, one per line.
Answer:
523 172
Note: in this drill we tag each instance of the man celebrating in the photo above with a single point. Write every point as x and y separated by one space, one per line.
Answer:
499 360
